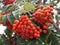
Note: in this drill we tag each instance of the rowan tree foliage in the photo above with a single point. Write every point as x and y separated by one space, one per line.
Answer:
30 22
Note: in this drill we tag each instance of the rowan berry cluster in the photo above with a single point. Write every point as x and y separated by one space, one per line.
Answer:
6 2
25 29
42 16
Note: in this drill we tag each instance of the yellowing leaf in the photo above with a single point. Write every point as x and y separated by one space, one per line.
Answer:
22 11
28 6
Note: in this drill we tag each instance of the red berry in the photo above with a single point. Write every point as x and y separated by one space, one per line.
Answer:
41 6
36 35
31 37
45 27
51 5
6 2
14 25
16 22
11 1
25 28
38 28
51 21
44 31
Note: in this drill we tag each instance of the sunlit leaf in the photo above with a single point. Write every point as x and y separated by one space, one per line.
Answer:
4 18
28 6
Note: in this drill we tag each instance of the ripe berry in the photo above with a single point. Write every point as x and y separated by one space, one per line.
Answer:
11 1
25 28
45 27
6 2
31 37
43 16
41 6
16 22
51 5
44 31
51 21
36 35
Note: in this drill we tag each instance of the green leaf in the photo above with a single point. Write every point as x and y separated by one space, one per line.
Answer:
34 3
5 40
54 42
8 32
26 0
50 38
53 39
19 41
28 6
15 7
39 41
35 42
4 18
1 41
43 37
52 2
32 42
16 14
56 17
57 34
7 7
10 18
22 11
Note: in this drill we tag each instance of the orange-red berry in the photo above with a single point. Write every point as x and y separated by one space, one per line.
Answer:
25 28
44 31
